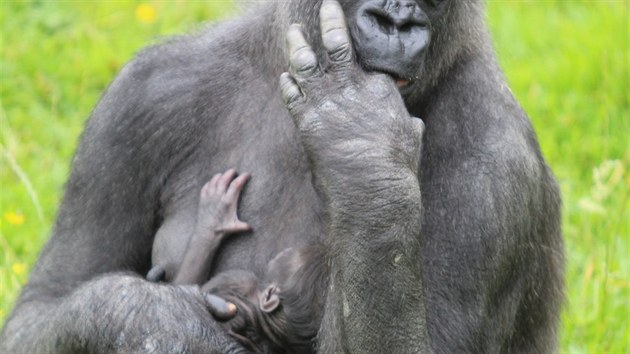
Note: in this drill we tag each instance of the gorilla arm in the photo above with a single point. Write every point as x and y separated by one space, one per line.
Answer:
76 298
364 151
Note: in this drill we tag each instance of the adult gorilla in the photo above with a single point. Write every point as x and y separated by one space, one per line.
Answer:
486 252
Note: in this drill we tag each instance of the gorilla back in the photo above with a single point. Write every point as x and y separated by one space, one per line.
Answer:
478 270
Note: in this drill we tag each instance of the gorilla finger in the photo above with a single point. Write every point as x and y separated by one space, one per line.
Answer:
291 93
224 180
418 129
302 58
220 309
418 125
156 274
335 35
237 186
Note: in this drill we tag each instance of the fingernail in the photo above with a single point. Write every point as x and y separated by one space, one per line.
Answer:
231 308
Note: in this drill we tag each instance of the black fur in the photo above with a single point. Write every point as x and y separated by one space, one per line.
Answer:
488 255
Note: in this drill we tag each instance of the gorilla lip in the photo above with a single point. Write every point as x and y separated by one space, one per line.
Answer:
398 80
401 83
396 76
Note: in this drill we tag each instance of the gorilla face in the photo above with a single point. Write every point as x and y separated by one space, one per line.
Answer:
391 36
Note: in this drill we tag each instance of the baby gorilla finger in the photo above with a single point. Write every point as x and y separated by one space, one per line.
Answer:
210 187
224 180
236 186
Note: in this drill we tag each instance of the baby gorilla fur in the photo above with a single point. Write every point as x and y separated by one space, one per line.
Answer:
279 314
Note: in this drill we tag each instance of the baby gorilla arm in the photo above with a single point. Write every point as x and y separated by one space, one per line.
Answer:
216 219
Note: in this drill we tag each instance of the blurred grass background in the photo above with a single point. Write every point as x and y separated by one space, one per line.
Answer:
566 61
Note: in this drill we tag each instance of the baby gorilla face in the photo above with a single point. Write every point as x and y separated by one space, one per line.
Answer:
283 312
234 284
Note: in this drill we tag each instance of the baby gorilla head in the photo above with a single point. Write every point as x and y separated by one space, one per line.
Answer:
283 312
293 297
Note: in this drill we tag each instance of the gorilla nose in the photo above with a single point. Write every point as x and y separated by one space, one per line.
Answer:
391 35
396 16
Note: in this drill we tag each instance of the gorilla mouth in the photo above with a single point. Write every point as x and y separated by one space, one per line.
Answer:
399 80
404 86
402 83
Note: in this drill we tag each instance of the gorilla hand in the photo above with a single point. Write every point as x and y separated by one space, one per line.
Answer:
344 113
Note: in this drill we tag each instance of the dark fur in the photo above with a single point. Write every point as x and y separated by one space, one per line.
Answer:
490 255
281 313
293 326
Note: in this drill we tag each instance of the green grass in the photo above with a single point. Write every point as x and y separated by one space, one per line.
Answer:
566 61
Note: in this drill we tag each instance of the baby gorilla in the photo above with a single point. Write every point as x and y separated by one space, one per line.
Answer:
280 314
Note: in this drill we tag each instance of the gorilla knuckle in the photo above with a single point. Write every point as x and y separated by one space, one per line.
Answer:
291 93
304 60
337 42
293 102
341 53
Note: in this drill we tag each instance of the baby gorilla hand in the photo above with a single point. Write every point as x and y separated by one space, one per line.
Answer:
218 204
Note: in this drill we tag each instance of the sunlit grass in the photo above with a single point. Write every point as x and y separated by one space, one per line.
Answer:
566 61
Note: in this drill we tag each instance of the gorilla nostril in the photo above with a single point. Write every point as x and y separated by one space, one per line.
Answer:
383 21
390 23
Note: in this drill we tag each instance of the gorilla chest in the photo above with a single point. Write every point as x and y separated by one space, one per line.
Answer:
279 201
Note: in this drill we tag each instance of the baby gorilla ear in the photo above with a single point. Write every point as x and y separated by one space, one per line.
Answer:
268 299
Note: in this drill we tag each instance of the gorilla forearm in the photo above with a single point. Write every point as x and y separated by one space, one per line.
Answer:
117 313
374 206
27 332
376 274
